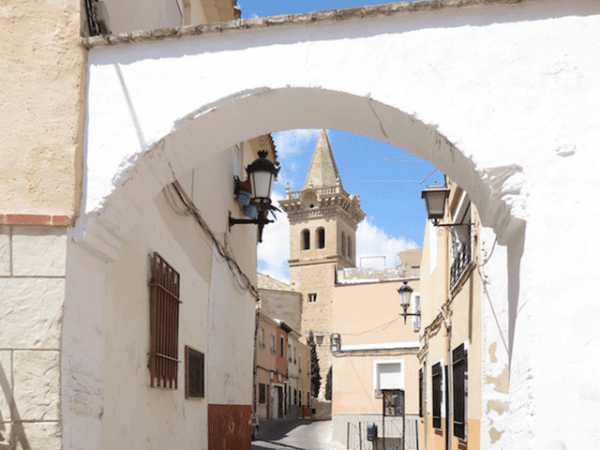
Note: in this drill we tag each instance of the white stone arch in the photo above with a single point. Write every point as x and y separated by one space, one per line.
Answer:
500 96
139 179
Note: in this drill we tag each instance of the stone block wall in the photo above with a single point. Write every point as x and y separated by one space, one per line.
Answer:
32 291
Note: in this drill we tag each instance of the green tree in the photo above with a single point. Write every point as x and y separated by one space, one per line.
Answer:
328 384
315 377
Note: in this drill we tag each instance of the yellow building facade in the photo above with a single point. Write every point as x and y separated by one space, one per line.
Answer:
450 356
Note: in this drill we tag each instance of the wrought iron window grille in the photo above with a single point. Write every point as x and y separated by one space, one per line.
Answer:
164 323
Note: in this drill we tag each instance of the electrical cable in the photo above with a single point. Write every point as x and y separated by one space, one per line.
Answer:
234 268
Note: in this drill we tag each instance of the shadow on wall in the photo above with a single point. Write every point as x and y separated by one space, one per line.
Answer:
515 254
17 433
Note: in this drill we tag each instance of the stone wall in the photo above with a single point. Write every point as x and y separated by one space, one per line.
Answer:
32 291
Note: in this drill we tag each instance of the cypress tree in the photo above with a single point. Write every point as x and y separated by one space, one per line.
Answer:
328 384
315 377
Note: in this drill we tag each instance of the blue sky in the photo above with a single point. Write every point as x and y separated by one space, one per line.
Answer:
254 8
388 180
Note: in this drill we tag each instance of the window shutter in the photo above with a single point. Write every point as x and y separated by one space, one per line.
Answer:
194 369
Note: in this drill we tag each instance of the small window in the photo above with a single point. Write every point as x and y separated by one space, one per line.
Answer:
164 323
261 337
300 398
415 271
416 308
281 344
273 344
343 239
295 397
308 399
300 363
437 374
312 298
321 237
194 373
459 391
305 239
349 247
387 375
262 393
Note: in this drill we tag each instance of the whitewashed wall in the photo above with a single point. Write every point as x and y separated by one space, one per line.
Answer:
501 97
107 399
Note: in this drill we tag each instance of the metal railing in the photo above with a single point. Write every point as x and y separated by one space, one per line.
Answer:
461 261
356 438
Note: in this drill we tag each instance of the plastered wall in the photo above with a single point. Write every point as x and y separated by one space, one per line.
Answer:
42 89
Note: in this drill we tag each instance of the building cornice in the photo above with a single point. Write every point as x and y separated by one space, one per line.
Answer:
332 15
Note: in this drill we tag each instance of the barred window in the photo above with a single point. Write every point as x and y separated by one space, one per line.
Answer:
194 373
459 379
164 323
262 393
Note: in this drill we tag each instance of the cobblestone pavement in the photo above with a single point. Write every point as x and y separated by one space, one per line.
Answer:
296 434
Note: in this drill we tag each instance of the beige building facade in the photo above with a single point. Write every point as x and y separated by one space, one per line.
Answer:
378 351
279 301
323 220
271 368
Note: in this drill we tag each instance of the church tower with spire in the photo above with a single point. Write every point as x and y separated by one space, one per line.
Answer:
323 220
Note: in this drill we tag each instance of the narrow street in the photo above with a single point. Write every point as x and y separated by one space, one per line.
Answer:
295 434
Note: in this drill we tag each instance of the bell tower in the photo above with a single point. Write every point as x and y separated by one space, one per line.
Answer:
323 220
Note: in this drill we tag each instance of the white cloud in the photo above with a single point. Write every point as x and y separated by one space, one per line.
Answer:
289 143
274 250
373 241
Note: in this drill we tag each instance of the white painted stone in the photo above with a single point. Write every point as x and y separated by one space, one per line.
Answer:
37 384
6 386
4 250
37 435
31 312
39 251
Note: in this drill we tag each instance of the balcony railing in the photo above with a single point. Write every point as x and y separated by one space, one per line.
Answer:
461 261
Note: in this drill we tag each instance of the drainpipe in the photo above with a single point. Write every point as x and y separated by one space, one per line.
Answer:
448 326
254 369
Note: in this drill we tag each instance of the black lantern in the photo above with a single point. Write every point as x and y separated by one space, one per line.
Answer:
435 200
261 174
405 292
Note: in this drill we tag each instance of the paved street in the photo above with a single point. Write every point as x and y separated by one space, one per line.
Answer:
296 434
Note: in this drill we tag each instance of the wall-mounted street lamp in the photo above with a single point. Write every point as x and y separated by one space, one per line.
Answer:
435 197
261 174
335 343
405 292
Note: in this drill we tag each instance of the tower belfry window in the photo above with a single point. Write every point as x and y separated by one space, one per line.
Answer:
305 239
321 237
